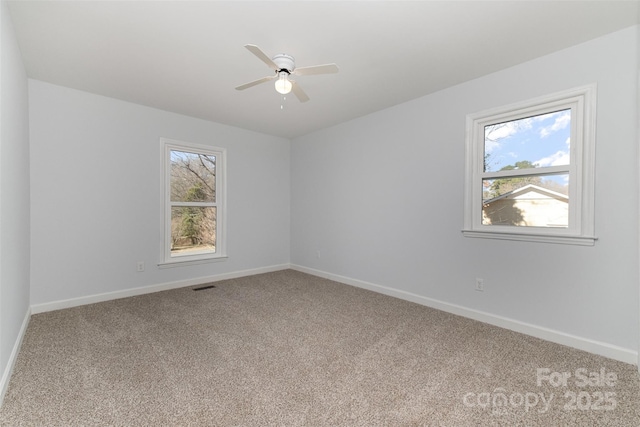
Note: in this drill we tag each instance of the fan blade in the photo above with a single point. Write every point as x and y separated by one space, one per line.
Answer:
298 92
261 55
316 69
255 82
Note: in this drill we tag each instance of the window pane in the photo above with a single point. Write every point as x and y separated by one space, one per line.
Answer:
193 230
193 177
535 141
529 201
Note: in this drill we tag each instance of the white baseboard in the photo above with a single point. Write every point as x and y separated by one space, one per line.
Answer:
108 296
603 349
8 370
581 343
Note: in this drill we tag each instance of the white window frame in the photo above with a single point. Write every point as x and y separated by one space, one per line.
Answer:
168 145
580 231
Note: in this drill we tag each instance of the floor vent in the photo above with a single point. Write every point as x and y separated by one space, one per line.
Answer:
203 288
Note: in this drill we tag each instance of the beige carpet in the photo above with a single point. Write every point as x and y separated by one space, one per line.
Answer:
289 349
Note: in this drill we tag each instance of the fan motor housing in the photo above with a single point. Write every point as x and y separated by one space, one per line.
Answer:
284 62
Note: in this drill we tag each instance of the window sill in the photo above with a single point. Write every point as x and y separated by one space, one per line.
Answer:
541 238
187 262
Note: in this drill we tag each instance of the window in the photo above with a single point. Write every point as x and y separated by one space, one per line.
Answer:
194 202
530 170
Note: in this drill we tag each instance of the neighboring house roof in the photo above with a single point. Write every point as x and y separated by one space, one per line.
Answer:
528 189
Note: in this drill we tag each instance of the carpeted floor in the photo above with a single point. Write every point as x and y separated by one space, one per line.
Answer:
290 349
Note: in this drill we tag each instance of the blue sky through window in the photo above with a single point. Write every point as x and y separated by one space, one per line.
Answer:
542 140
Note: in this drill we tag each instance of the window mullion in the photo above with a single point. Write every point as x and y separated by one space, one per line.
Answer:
549 170
194 204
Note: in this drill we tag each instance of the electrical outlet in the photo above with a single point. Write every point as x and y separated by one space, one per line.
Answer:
479 284
140 266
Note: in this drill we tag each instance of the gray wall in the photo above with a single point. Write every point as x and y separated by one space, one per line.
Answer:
96 208
14 195
379 200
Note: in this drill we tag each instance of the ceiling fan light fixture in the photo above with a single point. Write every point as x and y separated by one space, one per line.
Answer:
283 84
284 65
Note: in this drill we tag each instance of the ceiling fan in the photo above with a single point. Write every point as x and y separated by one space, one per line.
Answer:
284 66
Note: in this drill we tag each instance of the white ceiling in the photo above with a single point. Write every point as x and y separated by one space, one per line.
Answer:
188 56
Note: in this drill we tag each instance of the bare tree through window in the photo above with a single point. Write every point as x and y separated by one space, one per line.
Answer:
193 199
